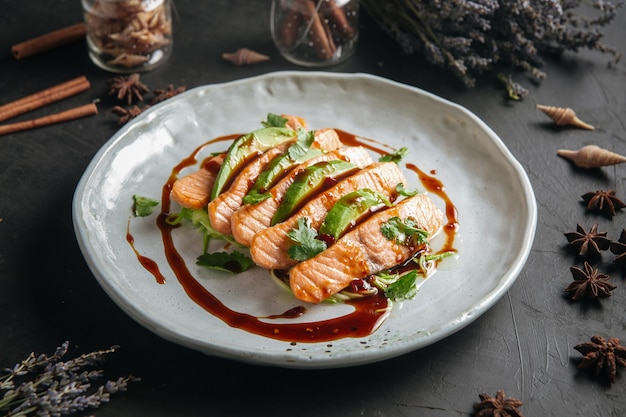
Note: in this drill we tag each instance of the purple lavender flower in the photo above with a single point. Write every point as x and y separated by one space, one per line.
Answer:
48 387
469 37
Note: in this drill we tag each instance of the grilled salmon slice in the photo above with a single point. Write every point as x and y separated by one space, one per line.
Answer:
269 247
252 218
294 122
222 208
362 251
193 190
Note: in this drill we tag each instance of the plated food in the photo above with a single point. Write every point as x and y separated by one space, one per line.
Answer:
243 316
326 216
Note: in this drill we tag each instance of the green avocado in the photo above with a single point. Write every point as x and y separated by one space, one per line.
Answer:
307 183
297 153
349 209
246 146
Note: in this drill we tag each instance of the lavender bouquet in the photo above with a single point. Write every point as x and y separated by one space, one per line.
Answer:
470 38
46 386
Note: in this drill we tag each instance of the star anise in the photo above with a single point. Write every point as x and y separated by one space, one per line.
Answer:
619 248
605 201
162 95
589 283
127 88
603 356
588 243
127 114
498 406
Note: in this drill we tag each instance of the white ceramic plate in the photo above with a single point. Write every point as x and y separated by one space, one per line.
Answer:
495 201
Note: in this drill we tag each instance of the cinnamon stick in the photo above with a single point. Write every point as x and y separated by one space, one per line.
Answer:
44 97
49 41
319 34
338 15
72 114
290 29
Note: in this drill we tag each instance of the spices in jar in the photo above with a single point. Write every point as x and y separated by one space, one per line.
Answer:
126 36
315 33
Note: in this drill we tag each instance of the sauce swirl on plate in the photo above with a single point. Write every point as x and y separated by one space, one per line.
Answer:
369 312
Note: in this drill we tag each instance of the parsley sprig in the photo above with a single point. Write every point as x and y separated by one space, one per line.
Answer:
302 145
306 243
199 218
143 206
403 286
274 120
234 262
397 287
297 153
396 156
405 232
400 189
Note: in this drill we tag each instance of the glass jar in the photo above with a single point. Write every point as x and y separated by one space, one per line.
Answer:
315 33
126 36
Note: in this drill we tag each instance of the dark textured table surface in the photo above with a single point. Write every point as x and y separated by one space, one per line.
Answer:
523 345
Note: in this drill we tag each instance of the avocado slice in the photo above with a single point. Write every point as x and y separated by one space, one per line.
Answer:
349 209
307 183
245 147
297 153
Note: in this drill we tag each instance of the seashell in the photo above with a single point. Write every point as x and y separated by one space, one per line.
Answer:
244 56
564 116
128 60
592 156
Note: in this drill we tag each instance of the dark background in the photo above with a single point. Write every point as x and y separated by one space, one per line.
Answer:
523 345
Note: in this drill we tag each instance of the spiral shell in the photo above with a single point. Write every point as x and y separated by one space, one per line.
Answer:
128 60
564 116
592 156
244 56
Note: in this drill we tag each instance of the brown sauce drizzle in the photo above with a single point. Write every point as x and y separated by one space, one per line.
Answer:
292 313
150 265
436 187
350 139
368 315
369 312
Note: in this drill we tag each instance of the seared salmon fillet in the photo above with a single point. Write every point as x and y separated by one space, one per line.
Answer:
224 205
362 251
252 218
294 122
326 139
222 208
194 190
269 247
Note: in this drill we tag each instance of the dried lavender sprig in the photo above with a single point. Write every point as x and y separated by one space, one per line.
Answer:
70 398
515 91
31 364
57 388
86 359
469 37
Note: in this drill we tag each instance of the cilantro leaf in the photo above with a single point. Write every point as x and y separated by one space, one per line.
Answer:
404 232
297 152
395 156
306 245
275 120
397 287
143 206
403 288
199 218
302 144
233 262
404 192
